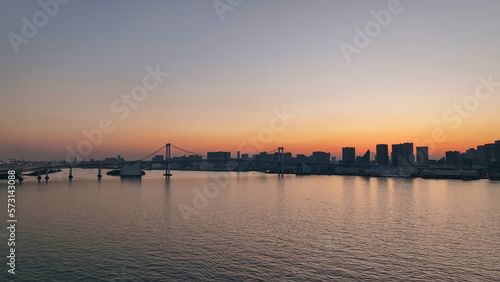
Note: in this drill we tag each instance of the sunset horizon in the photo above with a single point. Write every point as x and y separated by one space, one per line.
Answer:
358 90
250 140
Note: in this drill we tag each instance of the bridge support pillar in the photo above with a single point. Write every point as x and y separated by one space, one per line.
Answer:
70 176
239 162
167 160
47 173
39 176
281 160
99 175
21 175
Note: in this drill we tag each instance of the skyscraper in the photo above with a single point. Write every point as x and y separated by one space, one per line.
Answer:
348 155
422 155
395 154
382 154
453 158
402 154
407 153
320 157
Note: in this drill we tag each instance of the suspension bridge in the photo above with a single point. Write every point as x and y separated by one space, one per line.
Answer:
174 157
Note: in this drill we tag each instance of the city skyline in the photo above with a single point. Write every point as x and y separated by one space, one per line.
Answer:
412 153
227 77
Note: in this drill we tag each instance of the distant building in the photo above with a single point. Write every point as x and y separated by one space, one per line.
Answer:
320 157
481 155
471 154
453 158
408 153
348 155
422 155
395 154
218 155
497 151
402 154
484 154
382 156
187 162
490 153
218 159
110 160
465 160
158 158
365 159
302 158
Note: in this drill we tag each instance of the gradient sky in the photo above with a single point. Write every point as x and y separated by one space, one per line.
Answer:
226 77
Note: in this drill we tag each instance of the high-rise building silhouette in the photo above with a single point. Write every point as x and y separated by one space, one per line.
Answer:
365 159
395 154
497 150
422 155
481 155
402 154
407 153
453 158
158 158
382 156
320 157
218 159
348 155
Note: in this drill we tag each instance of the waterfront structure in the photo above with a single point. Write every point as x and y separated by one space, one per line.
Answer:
348 155
453 158
218 159
382 156
402 154
422 155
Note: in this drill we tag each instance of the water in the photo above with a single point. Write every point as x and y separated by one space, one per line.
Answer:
257 227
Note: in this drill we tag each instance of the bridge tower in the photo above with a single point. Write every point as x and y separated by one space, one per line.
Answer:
70 176
167 160
282 160
47 173
99 175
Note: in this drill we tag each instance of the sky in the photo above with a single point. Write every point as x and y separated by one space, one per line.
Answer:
233 65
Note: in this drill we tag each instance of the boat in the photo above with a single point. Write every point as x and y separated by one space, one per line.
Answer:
117 172
133 170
